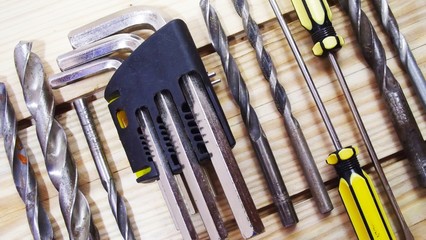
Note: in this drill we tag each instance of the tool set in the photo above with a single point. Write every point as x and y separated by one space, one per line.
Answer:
173 125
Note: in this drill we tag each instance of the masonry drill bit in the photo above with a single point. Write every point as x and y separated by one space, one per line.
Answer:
240 93
282 103
23 174
402 117
118 206
405 55
59 162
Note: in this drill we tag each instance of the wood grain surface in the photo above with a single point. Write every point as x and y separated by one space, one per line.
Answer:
47 24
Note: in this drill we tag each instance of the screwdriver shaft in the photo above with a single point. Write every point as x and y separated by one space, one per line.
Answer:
257 136
369 146
116 202
53 141
282 103
406 57
23 174
397 105
306 75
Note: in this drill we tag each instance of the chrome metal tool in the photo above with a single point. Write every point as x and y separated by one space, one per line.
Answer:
258 138
294 131
23 175
124 20
53 141
116 201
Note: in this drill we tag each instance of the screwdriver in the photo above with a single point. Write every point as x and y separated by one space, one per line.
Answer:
315 16
355 186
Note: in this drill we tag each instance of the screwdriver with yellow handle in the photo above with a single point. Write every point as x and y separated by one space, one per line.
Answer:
315 16
355 187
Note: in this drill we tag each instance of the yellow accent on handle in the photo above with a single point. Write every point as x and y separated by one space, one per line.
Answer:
366 209
376 196
346 153
316 10
327 8
352 209
302 14
143 172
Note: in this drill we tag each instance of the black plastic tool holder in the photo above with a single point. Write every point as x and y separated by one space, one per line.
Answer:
157 65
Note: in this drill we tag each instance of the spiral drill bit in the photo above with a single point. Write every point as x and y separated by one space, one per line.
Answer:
23 174
405 55
282 103
59 163
402 117
118 206
258 139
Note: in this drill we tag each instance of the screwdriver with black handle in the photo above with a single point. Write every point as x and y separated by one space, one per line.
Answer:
355 186
315 16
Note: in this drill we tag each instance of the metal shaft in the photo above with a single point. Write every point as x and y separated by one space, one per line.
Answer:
167 182
23 175
369 146
53 141
192 171
405 55
282 103
116 202
307 76
257 136
222 158
402 117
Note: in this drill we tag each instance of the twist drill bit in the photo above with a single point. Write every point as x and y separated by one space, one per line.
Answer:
405 55
282 103
240 93
396 103
59 162
116 202
23 174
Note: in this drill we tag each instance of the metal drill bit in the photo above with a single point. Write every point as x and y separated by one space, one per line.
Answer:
257 136
116 202
23 174
282 103
402 117
405 55
59 162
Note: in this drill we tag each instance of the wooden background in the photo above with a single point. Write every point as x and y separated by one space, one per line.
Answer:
47 24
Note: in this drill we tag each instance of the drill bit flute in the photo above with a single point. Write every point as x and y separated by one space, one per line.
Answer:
402 117
282 103
23 174
405 55
240 93
118 206
59 163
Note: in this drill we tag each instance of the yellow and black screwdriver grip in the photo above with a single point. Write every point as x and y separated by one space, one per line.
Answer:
359 196
315 16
